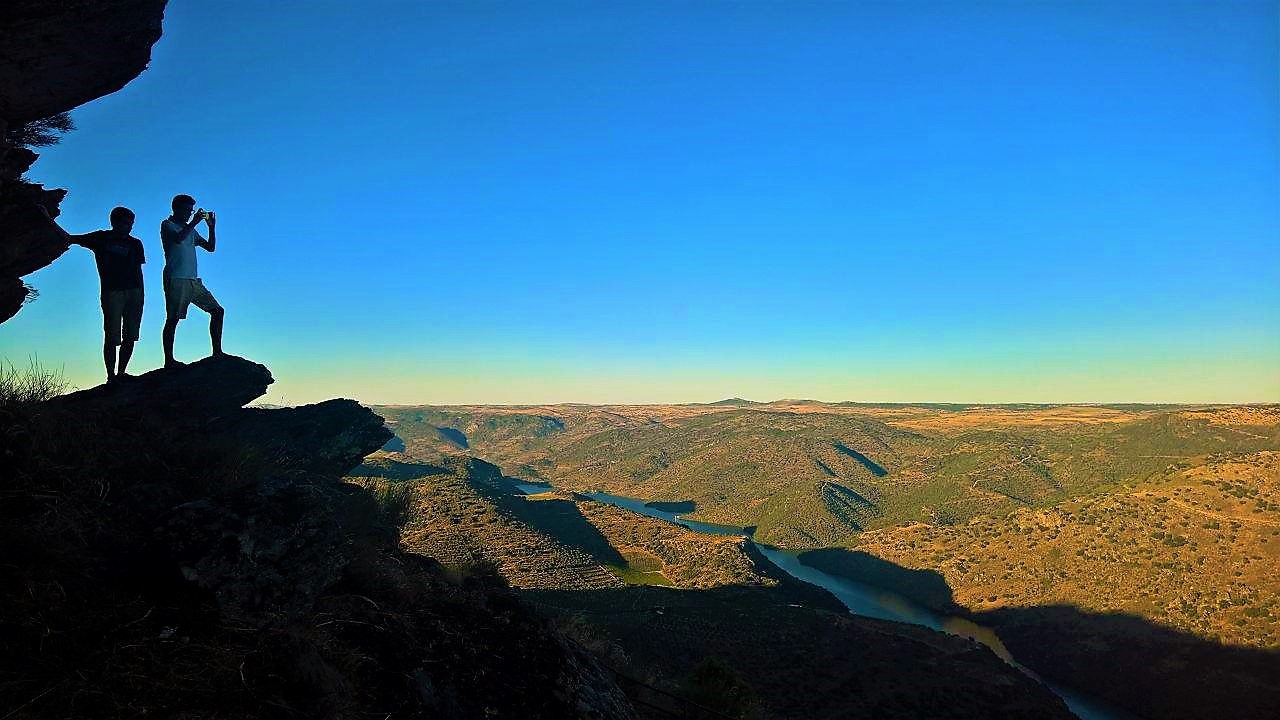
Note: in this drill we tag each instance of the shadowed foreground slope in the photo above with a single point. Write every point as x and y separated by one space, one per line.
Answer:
1151 670
792 644
802 661
166 552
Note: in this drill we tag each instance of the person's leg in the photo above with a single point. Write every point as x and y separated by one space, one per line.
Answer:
215 329
109 359
175 305
203 299
126 352
170 329
112 312
132 322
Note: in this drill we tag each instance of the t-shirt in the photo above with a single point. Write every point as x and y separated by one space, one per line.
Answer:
179 257
119 258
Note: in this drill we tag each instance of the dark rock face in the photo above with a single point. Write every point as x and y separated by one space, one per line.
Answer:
256 537
55 56
27 243
170 552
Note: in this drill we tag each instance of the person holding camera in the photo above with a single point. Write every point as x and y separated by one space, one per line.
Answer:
182 285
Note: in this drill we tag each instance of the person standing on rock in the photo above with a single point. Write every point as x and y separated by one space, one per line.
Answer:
182 285
119 257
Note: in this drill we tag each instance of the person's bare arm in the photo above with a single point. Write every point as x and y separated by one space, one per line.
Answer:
86 240
212 243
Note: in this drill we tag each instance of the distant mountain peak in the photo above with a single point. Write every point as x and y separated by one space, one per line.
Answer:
735 401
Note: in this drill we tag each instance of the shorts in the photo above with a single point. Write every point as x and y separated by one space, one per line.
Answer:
181 292
121 315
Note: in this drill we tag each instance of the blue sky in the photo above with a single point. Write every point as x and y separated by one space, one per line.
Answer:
658 202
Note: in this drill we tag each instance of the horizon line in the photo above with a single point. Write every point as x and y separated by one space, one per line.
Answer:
739 402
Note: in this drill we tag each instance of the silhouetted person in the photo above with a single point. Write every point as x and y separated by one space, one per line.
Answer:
119 257
182 286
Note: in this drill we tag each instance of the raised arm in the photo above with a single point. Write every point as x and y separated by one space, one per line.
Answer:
88 240
212 243
170 234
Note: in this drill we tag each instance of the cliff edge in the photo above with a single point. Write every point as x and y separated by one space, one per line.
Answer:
167 551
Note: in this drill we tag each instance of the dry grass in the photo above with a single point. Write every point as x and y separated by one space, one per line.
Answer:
25 388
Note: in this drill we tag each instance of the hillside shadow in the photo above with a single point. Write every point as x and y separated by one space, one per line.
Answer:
396 470
847 504
1151 670
866 462
825 468
800 660
562 520
1146 669
926 587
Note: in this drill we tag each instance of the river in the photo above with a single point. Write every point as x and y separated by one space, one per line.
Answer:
868 600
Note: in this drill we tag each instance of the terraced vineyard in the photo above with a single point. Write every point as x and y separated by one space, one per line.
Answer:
459 512
678 557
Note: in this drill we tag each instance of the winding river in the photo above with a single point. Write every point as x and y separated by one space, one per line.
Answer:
868 600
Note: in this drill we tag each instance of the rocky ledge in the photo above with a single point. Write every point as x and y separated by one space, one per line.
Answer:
167 551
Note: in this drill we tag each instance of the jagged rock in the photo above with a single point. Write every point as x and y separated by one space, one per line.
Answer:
190 395
327 438
16 162
590 690
27 243
13 293
277 543
55 56
270 537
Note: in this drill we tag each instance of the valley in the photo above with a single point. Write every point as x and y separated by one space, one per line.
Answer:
1085 535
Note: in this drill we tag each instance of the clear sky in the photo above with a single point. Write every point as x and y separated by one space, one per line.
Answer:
452 202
